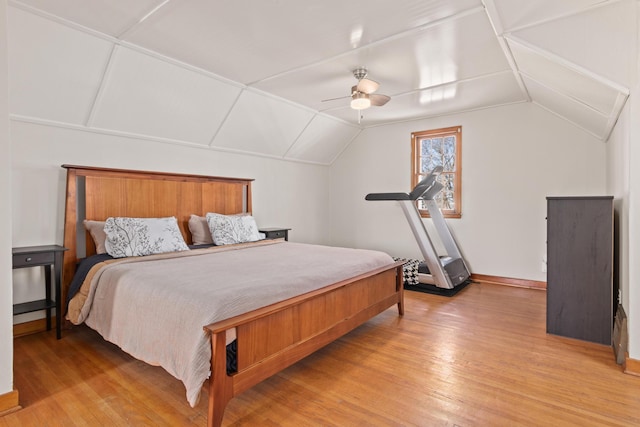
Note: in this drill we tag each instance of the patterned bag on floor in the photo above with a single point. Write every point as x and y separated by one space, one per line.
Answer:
409 270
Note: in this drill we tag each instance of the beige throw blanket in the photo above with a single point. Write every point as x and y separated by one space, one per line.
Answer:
155 307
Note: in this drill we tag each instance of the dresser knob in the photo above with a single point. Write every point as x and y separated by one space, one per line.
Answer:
28 259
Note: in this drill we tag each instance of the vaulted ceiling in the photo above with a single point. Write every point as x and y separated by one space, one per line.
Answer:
251 75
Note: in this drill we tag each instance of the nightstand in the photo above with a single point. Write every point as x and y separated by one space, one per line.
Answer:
275 233
42 256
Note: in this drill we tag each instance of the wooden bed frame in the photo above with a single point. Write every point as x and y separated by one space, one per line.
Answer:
269 339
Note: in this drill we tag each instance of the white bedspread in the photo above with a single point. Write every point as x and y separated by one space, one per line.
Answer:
155 309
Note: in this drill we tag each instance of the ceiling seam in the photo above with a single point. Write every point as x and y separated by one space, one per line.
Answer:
141 20
383 40
445 114
104 80
337 156
599 137
143 137
336 119
178 63
103 131
441 85
563 15
268 156
294 104
514 66
566 63
297 138
226 117
300 106
123 43
496 24
51 17
621 100
567 95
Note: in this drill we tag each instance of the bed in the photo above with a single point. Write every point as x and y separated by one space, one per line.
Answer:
290 310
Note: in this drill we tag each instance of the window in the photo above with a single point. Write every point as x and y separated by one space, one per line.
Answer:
439 147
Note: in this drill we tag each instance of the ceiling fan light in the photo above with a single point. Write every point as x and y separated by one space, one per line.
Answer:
360 101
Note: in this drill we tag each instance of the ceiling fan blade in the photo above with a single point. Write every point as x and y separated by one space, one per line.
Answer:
367 86
379 100
335 99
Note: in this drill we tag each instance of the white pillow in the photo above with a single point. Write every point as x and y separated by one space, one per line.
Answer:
200 234
229 229
142 236
96 229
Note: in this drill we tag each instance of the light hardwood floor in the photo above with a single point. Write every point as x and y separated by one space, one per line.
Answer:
481 358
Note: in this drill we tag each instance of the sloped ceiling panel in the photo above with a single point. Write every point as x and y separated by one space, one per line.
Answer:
270 37
562 78
322 140
602 40
575 57
520 13
262 124
493 90
55 71
148 96
114 16
580 114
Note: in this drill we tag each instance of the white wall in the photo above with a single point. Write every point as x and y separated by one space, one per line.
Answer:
285 194
618 185
6 311
513 157
623 181
633 298
633 312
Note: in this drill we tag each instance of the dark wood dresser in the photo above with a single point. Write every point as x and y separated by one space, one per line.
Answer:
580 293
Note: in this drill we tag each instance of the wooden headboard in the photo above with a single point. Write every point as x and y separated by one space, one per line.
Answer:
99 193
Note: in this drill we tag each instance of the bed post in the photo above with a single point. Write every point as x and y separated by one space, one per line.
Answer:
70 221
400 288
220 384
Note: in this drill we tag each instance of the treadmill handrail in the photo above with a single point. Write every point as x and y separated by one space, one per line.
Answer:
427 189
426 184
387 196
430 193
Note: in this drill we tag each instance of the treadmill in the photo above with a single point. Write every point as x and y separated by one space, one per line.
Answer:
443 275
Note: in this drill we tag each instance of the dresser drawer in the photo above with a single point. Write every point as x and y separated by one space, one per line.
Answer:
26 260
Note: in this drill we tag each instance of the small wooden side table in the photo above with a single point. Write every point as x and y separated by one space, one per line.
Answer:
42 256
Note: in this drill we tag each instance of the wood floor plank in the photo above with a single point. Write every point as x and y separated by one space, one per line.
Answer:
481 358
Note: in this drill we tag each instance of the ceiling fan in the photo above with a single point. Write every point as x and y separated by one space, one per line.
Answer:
362 94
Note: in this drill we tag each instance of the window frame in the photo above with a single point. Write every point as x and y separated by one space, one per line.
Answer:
416 138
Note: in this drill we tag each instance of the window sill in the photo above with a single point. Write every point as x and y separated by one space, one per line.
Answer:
449 215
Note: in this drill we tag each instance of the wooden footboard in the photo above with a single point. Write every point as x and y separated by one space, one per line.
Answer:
274 337
268 339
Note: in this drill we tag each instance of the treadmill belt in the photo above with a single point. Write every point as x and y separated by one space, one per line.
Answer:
411 269
433 289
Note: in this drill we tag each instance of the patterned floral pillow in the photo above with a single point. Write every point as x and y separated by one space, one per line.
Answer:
142 236
229 229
